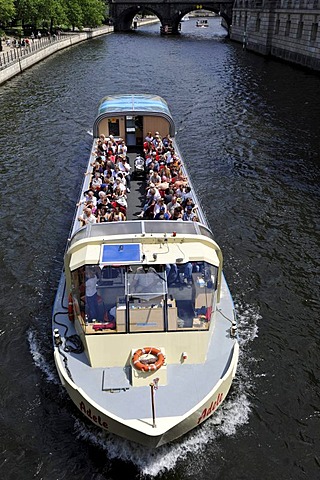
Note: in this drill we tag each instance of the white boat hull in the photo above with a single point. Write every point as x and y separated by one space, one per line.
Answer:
141 430
190 321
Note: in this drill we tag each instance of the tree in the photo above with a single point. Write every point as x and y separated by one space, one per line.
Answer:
74 13
93 12
7 11
53 12
27 11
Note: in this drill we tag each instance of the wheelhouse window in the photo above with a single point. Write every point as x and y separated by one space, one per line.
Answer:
146 293
144 298
191 290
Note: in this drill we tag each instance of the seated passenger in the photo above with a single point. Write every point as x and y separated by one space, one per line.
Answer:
172 205
177 214
149 137
87 217
154 178
119 186
188 214
96 180
122 148
89 197
158 206
116 215
103 215
162 215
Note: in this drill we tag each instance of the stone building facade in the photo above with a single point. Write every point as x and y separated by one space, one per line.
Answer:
286 29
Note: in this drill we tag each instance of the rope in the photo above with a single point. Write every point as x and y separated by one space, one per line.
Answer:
220 311
73 343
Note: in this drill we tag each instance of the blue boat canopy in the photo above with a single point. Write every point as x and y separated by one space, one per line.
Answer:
133 104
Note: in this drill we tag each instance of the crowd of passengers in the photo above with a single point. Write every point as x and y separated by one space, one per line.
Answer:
168 195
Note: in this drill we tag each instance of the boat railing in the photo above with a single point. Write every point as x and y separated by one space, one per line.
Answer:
75 224
140 227
196 201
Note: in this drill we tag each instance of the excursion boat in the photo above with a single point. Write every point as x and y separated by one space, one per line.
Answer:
160 355
202 23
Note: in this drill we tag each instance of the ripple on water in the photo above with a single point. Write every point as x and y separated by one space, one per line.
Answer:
249 131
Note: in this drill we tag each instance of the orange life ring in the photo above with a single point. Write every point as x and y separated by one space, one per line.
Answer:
148 367
70 308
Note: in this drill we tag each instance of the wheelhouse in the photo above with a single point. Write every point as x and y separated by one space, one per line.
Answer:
154 282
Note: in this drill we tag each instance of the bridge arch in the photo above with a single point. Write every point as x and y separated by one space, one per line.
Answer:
169 14
213 9
123 17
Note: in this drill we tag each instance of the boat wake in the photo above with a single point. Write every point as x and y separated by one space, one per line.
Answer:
225 422
39 358
150 463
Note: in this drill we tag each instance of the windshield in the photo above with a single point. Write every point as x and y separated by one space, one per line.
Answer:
145 282
144 298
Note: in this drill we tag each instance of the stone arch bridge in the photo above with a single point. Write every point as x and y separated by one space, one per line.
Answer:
169 12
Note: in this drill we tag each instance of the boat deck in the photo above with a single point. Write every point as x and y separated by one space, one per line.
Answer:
137 194
187 384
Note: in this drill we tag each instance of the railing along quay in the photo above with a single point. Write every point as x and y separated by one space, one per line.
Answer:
16 53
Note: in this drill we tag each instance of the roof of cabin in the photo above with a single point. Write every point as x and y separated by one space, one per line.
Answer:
134 104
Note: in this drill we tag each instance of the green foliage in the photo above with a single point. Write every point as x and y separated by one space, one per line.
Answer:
53 13
27 11
74 13
7 11
93 12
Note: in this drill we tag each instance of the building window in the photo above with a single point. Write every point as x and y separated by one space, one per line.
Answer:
277 26
258 22
288 26
314 32
245 21
300 29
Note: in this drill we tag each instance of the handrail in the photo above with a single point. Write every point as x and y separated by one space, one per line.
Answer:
17 53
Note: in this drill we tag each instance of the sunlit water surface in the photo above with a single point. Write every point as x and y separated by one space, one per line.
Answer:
249 132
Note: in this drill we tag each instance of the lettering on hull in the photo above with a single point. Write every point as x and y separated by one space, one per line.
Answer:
208 411
94 418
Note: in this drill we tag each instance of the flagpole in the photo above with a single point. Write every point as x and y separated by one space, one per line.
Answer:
152 405
153 386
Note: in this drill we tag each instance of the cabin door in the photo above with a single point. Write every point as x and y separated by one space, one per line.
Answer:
134 130
113 127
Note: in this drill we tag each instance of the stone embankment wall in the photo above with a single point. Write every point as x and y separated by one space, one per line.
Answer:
26 61
286 29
